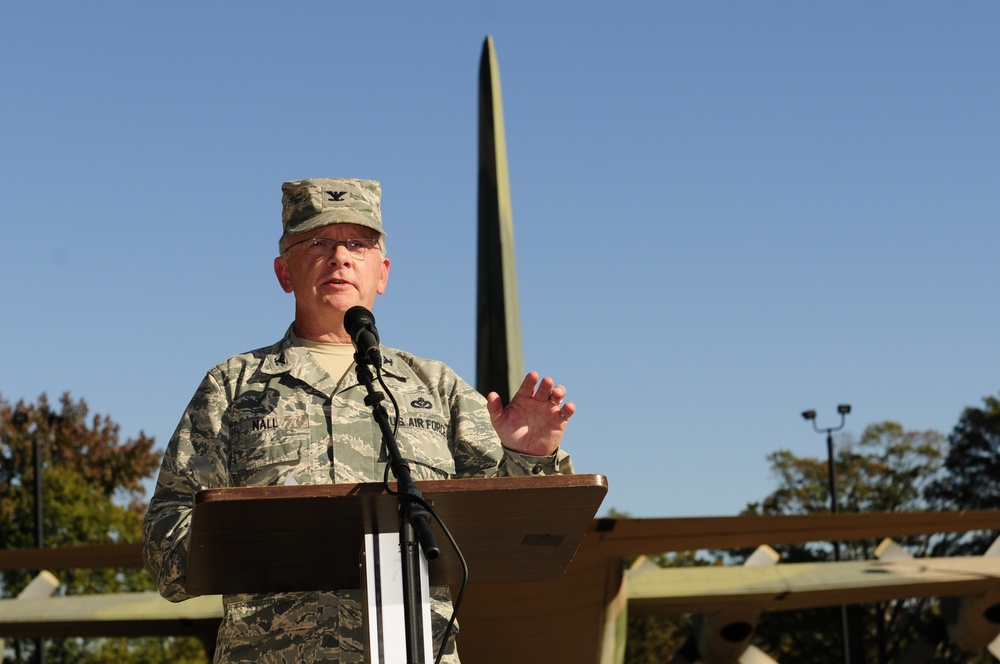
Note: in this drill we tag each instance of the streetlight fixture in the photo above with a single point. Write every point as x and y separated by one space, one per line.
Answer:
810 415
843 409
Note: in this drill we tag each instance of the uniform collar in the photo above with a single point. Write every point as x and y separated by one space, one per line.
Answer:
290 357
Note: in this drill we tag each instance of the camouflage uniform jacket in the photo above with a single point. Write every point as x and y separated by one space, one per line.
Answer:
274 415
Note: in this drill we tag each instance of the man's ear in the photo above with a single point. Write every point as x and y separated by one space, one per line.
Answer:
282 273
383 276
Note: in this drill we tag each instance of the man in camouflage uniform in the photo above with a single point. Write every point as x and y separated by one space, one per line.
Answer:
294 413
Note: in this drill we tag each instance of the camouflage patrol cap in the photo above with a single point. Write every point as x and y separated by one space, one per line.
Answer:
310 204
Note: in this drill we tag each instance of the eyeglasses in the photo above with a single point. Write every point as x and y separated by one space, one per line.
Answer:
357 247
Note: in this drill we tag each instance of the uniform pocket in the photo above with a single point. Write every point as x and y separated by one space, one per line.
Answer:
424 435
264 457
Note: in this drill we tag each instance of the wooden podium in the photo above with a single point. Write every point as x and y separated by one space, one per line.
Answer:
310 537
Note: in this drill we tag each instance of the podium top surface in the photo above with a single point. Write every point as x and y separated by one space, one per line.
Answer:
309 537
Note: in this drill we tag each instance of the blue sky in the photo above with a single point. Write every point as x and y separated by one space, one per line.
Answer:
725 213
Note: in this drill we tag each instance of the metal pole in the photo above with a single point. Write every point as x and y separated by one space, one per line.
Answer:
810 415
20 419
39 525
832 472
836 544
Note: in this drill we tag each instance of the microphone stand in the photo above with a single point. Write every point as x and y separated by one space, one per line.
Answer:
414 517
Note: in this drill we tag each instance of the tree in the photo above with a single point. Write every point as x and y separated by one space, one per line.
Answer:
651 639
972 480
889 469
886 470
93 493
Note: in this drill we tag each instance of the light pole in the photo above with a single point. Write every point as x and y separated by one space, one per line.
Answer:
810 415
20 418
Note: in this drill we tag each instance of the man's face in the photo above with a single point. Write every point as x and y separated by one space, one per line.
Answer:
325 287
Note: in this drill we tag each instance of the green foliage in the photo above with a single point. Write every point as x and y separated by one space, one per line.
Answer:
93 493
885 470
972 481
652 639
889 469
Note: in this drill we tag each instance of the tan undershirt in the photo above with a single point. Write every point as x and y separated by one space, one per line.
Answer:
335 358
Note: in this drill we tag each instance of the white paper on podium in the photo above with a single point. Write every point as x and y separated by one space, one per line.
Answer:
385 618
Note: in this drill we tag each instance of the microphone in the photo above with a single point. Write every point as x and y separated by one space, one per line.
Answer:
360 324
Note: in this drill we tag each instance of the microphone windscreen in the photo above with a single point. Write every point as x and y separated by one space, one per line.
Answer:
359 318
